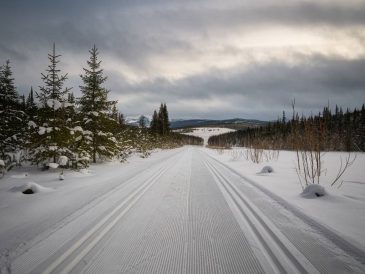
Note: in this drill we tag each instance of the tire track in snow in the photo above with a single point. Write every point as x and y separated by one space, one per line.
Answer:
280 253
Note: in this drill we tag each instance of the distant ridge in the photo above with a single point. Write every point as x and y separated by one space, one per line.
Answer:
235 123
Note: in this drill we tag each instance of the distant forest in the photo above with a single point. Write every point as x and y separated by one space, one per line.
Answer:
333 131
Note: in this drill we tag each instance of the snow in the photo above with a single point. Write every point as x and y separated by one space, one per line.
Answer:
206 132
53 103
78 128
43 130
20 175
266 169
34 187
62 161
2 163
53 165
341 208
313 191
32 124
180 202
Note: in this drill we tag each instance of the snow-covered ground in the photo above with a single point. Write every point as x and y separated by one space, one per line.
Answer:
342 209
187 210
206 132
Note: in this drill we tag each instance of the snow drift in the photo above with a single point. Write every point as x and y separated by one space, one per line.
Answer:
313 191
30 188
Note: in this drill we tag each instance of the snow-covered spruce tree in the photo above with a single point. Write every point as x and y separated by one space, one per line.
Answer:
96 110
12 118
51 137
80 139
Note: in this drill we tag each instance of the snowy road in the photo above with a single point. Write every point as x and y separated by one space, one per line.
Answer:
188 213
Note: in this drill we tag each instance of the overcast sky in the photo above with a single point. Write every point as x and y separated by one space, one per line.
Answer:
205 59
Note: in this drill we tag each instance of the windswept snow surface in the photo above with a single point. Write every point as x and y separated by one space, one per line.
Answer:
179 211
206 132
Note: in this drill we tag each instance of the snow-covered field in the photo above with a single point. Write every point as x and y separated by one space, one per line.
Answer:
342 208
187 210
206 132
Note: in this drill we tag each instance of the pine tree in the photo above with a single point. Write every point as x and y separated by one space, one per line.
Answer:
12 117
30 105
96 110
154 123
51 138
165 121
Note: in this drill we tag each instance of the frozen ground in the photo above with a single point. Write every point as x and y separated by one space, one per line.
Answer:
179 211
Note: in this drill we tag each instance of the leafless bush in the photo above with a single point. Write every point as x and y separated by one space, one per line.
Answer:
271 154
255 154
237 154
344 165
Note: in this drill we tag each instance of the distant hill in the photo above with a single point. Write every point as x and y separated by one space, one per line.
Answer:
236 123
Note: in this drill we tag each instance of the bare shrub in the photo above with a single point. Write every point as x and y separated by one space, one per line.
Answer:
236 154
344 165
255 154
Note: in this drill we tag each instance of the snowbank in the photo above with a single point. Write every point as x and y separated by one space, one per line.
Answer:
30 188
266 169
313 191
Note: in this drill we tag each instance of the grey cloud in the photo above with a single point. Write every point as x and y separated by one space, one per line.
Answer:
263 91
134 31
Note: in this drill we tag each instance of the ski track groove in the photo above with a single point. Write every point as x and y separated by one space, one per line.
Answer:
313 244
271 237
33 260
37 260
192 215
109 222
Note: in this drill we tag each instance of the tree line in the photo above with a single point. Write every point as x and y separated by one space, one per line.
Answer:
51 124
330 130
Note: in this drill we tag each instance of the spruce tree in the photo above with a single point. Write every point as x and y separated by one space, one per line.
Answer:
154 123
96 110
12 117
166 123
30 105
51 137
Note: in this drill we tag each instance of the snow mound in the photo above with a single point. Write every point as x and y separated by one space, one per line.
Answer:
313 191
266 169
30 188
53 165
